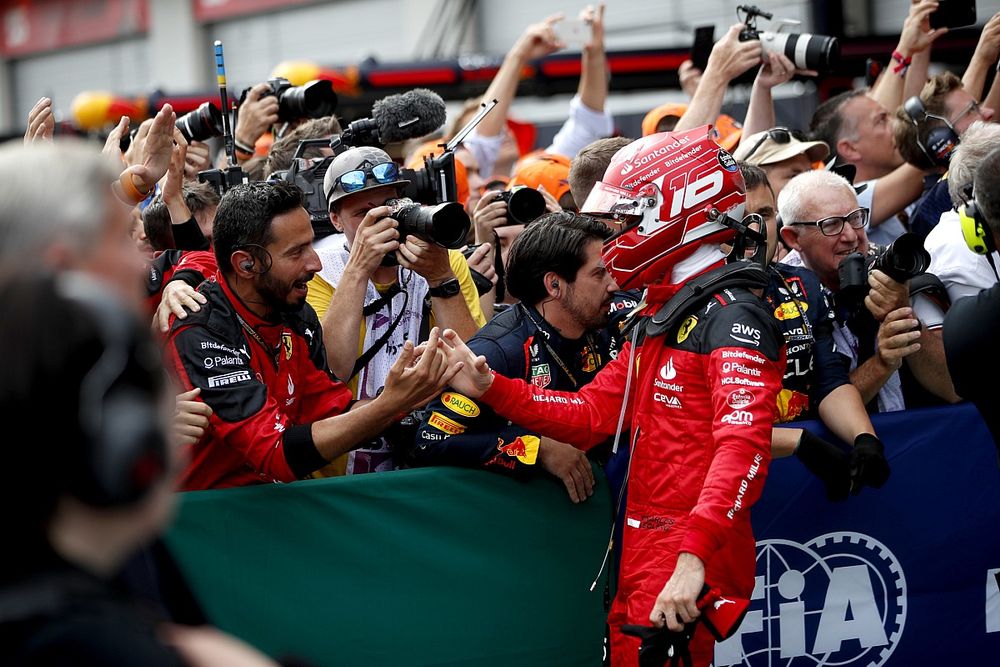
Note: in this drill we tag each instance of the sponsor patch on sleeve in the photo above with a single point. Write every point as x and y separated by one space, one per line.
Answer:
524 448
460 404
444 424
687 326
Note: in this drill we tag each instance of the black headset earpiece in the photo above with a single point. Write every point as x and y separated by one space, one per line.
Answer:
123 453
555 284
940 142
247 265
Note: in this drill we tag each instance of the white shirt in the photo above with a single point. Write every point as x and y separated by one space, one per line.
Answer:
963 272
583 126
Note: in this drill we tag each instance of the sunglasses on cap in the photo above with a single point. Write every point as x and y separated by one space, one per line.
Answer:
355 180
779 135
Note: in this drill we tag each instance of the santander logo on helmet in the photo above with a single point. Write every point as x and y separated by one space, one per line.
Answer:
665 186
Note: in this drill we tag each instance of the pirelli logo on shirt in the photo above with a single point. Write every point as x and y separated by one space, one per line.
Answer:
444 424
228 379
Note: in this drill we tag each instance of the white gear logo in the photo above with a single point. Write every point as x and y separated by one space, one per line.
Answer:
838 599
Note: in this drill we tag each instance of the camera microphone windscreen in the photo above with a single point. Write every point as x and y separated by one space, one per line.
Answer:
415 113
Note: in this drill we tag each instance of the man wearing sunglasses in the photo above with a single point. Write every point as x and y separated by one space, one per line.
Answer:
377 290
823 224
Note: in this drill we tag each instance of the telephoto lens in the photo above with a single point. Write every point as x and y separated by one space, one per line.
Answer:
905 258
315 99
524 204
817 52
202 124
445 224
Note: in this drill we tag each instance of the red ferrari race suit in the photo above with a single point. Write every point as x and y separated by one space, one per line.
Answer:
701 407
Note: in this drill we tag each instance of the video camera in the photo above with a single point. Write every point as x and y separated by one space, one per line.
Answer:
901 260
807 51
314 99
432 185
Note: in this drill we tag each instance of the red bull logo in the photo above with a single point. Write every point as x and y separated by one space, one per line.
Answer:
524 448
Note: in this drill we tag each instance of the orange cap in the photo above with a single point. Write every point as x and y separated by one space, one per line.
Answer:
654 117
432 148
730 130
543 169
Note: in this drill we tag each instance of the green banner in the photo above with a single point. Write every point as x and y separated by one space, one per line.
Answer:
437 566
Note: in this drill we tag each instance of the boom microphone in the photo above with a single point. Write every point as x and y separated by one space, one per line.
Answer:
415 113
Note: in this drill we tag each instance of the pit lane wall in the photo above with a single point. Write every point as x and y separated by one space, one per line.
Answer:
456 567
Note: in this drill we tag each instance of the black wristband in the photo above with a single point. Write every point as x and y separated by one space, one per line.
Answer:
300 451
243 148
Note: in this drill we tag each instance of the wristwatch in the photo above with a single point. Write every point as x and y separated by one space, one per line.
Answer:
447 289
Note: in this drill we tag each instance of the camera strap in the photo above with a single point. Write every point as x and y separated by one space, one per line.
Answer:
371 309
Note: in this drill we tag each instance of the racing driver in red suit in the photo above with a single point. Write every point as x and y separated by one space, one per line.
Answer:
696 385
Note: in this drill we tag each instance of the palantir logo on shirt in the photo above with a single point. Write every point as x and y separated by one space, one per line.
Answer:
228 379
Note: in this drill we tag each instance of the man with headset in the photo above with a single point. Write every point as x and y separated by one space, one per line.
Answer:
255 350
971 326
107 489
929 127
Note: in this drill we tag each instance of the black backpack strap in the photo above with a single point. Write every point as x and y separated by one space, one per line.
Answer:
931 287
693 293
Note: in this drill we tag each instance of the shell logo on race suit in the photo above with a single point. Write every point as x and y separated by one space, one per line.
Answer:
839 599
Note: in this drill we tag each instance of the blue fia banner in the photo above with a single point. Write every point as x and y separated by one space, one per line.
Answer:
902 575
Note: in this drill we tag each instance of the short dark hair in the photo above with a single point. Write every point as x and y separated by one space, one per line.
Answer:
553 242
827 122
589 165
907 133
156 218
987 190
156 224
754 177
243 219
279 157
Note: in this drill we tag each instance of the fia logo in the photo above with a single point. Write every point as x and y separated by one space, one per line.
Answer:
839 599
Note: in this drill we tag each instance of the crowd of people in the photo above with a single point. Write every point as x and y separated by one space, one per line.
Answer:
677 296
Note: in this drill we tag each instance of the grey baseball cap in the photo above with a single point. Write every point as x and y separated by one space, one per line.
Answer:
361 157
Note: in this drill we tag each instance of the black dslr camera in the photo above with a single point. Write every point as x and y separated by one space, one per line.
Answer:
202 124
524 204
818 52
314 99
901 260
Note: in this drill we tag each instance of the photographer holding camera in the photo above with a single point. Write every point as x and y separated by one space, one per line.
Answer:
824 226
403 283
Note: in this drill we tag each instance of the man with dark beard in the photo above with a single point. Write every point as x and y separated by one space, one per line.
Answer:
556 337
255 349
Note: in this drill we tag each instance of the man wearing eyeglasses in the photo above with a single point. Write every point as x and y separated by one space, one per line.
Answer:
824 224
927 136
376 290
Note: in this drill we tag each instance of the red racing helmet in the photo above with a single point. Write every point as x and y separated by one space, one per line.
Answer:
675 191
